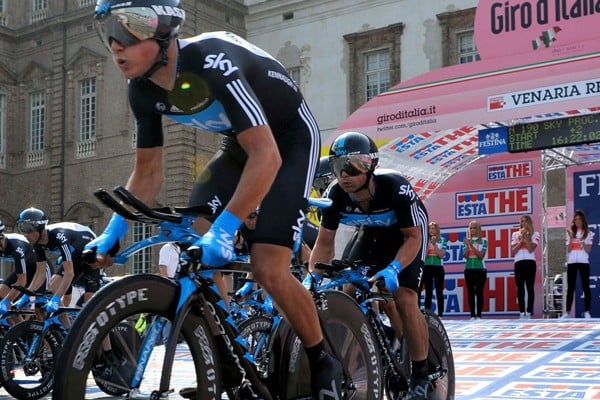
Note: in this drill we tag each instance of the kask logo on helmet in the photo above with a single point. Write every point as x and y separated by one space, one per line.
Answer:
170 11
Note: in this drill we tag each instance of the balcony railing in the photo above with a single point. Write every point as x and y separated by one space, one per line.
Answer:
86 3
35 158
85 148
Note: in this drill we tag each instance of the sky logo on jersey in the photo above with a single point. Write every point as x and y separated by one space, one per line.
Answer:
497 172
218 61
382 219
494 203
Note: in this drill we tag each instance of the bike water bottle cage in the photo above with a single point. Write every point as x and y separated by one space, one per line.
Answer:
352 164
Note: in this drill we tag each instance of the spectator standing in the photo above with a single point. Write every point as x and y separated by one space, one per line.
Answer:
168 259
579 245
523 244
433 272
474 249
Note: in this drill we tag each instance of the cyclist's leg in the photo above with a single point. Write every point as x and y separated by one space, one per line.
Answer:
415 329
279 223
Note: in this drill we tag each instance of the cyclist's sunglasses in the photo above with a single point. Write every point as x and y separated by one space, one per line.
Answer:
127 26
27 227
353 164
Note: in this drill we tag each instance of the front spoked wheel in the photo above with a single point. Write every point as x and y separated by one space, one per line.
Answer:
27 359
350 334
118 364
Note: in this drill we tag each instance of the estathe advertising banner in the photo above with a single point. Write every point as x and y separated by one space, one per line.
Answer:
496 191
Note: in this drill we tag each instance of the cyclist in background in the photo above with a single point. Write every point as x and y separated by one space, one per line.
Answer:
66 238
219 82
28 273
389 242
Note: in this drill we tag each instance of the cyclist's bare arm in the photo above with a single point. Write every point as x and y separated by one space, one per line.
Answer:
259 172
39 277
324 248
413 241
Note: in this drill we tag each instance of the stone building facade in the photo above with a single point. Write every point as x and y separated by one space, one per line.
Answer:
58 79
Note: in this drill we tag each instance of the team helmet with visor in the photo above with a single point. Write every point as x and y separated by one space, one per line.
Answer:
32 219
353 153
129 22
323 175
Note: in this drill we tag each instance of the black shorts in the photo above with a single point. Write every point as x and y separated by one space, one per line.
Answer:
282 211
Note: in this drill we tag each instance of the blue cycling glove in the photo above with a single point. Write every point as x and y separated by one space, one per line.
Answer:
217 243
390 275
4 306
115 231
53 304
23 300
245 289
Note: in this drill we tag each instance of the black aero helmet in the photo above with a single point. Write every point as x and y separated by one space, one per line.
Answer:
129 22
32 219
323 169
353 153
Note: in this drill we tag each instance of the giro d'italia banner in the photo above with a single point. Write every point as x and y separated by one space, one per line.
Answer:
583 193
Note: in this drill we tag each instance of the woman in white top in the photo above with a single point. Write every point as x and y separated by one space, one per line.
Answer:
579 245
523 244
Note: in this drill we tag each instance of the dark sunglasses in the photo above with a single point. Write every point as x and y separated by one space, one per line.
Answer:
353 164
27 227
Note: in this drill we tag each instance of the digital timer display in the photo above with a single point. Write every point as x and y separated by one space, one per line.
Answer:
561 132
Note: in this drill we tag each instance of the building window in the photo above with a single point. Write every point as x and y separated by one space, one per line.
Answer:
467 52
86 145
142 260
458 41
37 126
377 73
373 63
39 5
2 131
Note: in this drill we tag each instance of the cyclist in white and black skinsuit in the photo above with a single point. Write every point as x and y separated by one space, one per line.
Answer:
65 238
221 83
389 241
28 273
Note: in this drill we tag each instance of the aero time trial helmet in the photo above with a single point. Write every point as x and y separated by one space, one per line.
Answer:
354 153
129 22
323 175
32 219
